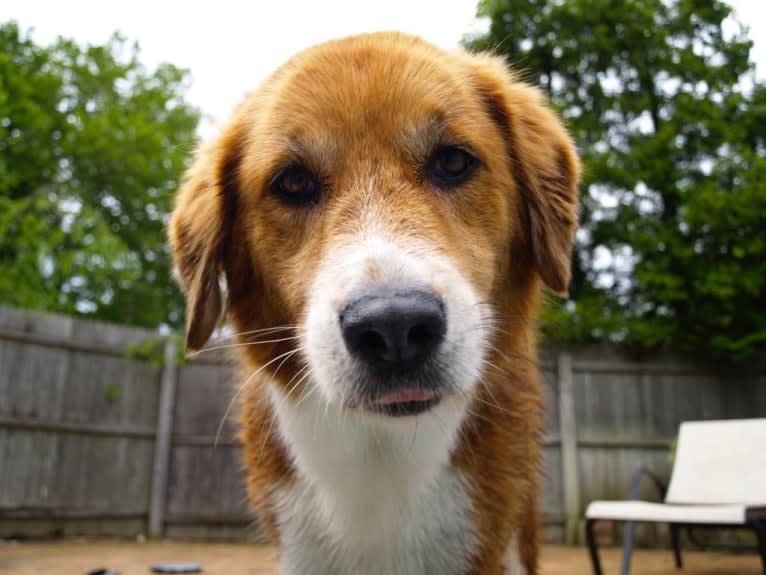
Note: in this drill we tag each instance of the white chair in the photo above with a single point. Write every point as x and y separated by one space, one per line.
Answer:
718 481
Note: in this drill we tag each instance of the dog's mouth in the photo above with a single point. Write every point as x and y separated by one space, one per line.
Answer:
405 402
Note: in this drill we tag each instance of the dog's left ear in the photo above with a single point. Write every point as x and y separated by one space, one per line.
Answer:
544 164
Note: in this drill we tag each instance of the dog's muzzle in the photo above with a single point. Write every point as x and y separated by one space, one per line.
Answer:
394 335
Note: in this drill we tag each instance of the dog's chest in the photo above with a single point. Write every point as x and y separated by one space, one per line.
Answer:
372 503
429 533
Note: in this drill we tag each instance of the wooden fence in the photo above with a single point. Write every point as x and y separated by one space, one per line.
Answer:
94 441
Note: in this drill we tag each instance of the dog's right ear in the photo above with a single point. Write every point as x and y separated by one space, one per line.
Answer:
200 229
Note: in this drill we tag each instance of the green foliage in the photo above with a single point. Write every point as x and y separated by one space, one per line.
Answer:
152 350
91 149
669 120
112 392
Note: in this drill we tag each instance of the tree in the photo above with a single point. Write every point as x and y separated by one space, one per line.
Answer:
662 100
91 149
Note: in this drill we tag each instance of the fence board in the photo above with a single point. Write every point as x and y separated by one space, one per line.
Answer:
206 480
204 401
78 423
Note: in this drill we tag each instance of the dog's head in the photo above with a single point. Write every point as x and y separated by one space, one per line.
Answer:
391 200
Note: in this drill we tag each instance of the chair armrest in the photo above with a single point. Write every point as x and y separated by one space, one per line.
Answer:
635 485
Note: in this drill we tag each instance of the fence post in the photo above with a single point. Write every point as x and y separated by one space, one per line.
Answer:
163 440
569 463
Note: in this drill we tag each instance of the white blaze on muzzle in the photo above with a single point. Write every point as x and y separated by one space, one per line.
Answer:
412 282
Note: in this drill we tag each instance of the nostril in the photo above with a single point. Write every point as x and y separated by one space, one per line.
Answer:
421 335
373 343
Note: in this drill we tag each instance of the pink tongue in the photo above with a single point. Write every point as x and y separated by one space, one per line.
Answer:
406 395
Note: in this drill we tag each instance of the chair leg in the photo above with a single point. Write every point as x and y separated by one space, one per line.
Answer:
759 526
590 538
627 547
675 539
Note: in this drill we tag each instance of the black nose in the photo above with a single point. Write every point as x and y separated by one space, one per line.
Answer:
394 327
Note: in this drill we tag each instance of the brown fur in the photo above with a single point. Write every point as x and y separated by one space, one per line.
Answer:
371 109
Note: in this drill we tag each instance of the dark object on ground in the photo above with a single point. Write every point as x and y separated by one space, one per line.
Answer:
176 568
102 572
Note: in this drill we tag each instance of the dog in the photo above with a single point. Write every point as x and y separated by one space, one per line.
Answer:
379 219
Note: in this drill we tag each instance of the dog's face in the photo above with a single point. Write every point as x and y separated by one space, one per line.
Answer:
392 201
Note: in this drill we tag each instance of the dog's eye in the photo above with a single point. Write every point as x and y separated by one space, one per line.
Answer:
451 165
296 185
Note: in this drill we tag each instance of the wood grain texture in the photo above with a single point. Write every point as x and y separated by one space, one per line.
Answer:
77 430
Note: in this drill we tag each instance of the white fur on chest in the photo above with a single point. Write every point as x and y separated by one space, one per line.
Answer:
373 496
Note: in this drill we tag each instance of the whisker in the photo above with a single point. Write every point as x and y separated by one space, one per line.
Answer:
497 368
306 391
292 388
495 405
297 374
272 328
281 363
275 410
242 387
442 423
510 358
477 415
305 395
490 326
264 330
244 344
414 436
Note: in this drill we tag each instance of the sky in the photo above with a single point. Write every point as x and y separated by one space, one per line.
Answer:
231 46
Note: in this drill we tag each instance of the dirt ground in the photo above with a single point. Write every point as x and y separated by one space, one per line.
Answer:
78 557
